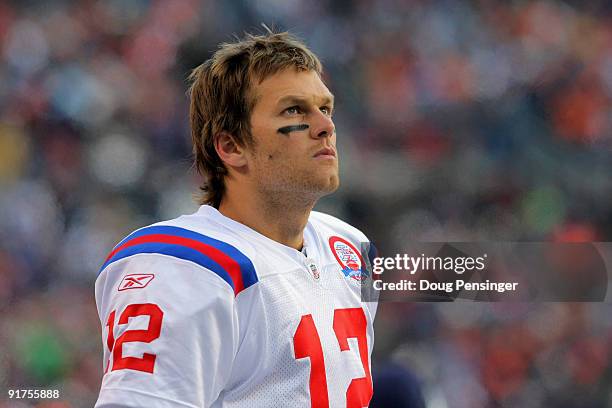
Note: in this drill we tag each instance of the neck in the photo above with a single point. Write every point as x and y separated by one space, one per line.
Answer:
282 220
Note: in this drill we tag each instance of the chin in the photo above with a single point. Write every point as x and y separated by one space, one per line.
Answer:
335 181
331 185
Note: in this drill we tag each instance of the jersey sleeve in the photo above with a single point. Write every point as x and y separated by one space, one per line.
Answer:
169 332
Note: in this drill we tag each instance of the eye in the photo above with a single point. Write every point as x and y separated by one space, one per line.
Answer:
293 110
326 110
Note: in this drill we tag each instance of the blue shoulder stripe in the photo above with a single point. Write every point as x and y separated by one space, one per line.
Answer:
220 257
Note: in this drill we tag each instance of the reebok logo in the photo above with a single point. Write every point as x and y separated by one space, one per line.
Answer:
135 281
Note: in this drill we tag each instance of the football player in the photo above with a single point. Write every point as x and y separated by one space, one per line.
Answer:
254 300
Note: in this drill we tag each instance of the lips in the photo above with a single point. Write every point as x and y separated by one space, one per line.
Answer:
327 151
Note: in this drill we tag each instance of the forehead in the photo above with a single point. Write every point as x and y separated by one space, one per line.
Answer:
290 82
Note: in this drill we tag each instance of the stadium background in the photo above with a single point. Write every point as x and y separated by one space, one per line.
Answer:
457 120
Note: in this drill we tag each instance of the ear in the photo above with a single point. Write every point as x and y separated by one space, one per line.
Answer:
230 152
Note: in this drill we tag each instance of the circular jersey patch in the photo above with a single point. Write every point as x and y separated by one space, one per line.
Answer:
348 257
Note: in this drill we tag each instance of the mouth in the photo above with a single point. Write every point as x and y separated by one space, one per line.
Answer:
325 153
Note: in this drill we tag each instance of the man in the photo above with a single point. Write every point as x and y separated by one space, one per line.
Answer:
254 300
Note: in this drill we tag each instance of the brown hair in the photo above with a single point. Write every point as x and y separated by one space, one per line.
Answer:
220 98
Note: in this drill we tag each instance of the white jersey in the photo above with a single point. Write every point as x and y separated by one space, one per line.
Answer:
202 311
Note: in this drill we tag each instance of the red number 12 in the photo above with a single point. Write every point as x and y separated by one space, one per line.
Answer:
348 323
146 363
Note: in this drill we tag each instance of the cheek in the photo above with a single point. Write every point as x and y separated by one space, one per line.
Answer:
268 157
276 153
279 154
272 154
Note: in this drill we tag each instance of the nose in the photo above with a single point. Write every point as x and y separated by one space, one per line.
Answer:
322 126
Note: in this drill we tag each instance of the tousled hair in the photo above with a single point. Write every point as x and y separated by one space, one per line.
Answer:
221 99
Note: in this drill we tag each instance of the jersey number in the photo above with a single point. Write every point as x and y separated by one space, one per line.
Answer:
348 323
147 361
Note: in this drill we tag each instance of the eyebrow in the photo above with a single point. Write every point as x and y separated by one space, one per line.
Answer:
299 100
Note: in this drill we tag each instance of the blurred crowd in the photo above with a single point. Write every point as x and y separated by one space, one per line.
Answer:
457 121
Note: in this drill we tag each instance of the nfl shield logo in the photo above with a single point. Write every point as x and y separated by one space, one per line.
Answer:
313 268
